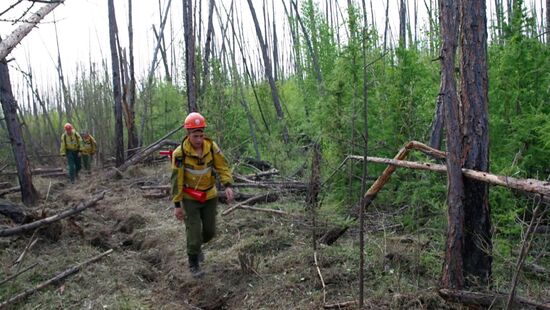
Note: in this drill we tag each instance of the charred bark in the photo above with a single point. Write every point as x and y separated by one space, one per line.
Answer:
133 140
452 275
29 195
190 71
117 94
474 99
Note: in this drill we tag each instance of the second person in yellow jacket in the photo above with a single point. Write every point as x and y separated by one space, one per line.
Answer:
88 147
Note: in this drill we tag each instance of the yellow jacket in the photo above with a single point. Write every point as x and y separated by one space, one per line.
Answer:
88 145
190 170
70 142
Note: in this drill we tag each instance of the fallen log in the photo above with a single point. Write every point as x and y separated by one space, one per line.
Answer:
78 208
10 190
493 300
5 185
54 280
14 212
139 156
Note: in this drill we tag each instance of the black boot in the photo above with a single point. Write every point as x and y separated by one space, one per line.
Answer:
194 266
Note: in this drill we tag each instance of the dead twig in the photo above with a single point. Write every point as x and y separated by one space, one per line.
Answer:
13 276
249 200
320 277
263 210
56 279
525 246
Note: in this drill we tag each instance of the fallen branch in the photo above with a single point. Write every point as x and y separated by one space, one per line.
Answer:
79 208
340 305
10 190
320 277
248 201
263 210
527 185
332 235
525 246
139 156
495 300
292 185
158 194
56 279
37 171
155 187
13 276
5 185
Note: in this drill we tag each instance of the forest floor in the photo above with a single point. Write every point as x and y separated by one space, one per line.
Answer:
257 261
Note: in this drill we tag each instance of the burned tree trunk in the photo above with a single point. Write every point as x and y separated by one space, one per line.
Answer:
190 72
117 94
207 48
29 195
474 98
133 141
402 24
268 70
452 276
548 22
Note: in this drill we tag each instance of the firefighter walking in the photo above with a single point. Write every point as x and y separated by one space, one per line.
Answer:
194 192
70 147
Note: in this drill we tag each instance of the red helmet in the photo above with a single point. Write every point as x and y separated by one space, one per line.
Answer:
68 126
194 120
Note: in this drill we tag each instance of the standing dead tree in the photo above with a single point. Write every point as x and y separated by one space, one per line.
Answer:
477 254
268 70
130 100
190 70
29 195
117 91
452 276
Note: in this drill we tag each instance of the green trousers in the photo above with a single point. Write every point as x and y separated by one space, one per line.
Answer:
86 161
73 163
200 223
